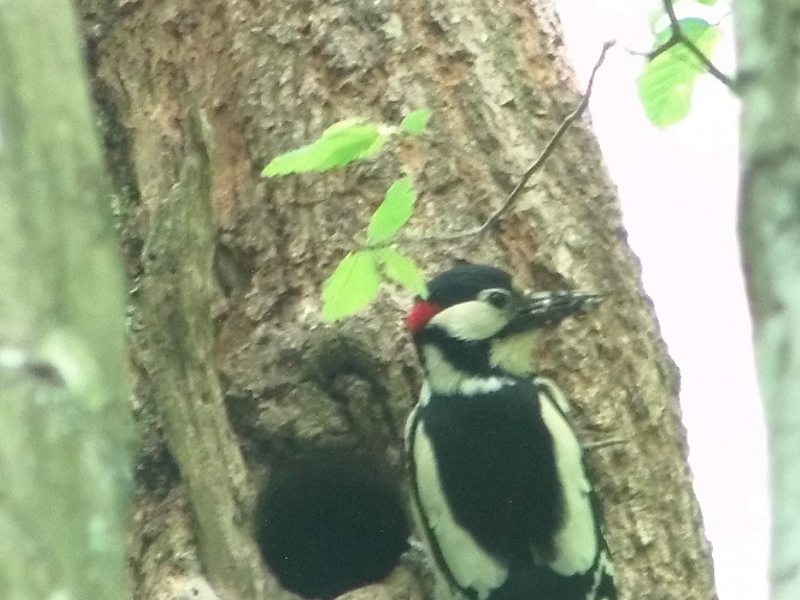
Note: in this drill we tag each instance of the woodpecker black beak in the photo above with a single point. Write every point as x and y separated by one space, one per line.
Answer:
544 310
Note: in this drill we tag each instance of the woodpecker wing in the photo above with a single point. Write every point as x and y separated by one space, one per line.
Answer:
502 496
598 582
462 568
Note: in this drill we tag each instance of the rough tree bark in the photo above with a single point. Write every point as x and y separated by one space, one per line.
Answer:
227 267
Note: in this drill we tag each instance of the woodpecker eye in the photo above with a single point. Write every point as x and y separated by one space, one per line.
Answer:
499 298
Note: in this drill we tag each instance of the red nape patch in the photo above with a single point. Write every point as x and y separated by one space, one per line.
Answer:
420 315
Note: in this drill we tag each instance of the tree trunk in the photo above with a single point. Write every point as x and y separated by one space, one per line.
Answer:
769 229
64 419
227 268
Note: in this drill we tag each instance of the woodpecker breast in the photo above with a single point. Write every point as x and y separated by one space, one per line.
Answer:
500 488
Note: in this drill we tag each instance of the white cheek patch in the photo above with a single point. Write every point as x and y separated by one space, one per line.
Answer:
471 320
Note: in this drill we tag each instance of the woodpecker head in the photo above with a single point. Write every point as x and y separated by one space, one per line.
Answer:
475 323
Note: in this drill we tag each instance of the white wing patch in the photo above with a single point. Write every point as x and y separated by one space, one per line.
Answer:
605 568
555 393
469 565
576 542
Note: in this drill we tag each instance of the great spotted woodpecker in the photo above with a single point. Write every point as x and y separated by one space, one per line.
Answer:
500 488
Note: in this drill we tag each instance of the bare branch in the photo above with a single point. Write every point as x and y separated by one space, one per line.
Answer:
535 166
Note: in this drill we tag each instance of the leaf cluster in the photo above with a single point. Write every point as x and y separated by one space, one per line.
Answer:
357 279
681 53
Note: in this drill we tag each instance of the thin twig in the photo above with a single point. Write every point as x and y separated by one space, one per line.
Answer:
537 164
673 40
677 34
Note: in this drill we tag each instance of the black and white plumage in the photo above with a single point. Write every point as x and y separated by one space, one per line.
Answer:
500 487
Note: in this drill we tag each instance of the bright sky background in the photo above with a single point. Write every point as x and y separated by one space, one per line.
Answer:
678 190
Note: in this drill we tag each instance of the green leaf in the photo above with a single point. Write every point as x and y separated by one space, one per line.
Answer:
394 211
706 2
351 287
404 270
416 122
342 143
667 82
343 125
